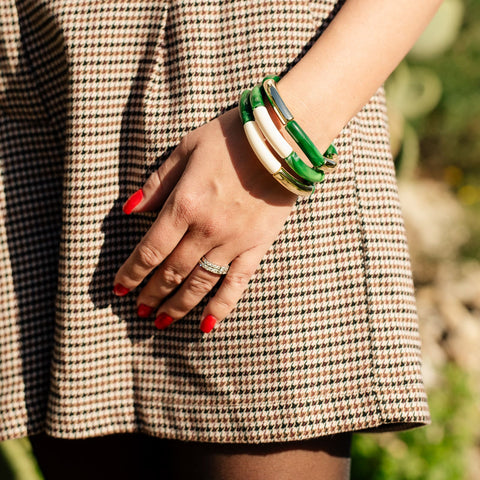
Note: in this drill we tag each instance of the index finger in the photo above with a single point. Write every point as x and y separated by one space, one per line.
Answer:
160 240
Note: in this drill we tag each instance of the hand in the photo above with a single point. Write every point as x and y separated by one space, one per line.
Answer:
217 201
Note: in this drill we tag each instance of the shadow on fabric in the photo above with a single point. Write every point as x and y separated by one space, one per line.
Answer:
33 122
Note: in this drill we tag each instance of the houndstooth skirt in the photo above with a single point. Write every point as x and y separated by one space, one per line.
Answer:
93 97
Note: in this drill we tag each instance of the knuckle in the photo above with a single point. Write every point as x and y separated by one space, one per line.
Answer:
208 229
236 280
171 277
183 145
185 208
199 286
149 256
150 299
222 304
157 177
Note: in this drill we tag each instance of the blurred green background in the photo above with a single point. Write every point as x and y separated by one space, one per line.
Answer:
434 110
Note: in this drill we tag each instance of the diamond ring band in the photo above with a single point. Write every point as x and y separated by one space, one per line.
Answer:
213 267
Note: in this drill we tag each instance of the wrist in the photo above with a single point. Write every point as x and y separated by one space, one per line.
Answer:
305 102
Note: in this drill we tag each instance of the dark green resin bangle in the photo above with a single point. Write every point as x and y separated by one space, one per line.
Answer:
302 170
304 142
270 89
246 113
256 97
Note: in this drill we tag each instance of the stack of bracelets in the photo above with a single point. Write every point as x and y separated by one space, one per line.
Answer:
259 128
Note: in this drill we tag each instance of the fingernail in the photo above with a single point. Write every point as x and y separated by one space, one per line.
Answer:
133 201
208 323
163 321
120 290
144 311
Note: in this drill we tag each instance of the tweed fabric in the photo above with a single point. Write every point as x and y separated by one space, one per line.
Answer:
93 97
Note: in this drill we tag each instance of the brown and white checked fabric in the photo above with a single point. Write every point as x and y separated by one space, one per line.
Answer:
93 97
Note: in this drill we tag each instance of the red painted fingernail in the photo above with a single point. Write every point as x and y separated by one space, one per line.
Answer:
144 311
163 321
133 201
208 323
120 290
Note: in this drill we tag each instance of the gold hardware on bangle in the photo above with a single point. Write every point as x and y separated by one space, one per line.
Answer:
292 184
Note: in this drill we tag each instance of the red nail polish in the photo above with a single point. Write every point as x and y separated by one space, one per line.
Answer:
163 321
144 311
120 290
208 323
133 201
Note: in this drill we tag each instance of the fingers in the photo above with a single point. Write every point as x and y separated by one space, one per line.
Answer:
196 286
163 236
172 272
160 183
232 288
200 282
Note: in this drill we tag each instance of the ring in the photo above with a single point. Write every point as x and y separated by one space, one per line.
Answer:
213 267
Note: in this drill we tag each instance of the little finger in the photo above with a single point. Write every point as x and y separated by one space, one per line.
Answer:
232 288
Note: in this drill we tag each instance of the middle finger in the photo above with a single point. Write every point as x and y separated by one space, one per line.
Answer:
195 287
171 273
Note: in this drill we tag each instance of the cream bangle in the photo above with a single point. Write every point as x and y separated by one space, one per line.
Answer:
278 142
273 166
261 150
268 128
263 153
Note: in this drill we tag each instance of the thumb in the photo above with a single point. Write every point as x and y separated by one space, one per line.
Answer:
160 183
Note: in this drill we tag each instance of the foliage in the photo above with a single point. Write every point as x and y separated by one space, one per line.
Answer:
437 452
17 461
450 145
416 87
434 107
451 135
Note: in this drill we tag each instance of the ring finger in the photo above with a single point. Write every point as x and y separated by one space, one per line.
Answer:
196 286
171 273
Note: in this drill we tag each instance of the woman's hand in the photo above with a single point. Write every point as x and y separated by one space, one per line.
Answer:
216 200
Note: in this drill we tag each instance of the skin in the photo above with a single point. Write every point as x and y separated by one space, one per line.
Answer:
215 199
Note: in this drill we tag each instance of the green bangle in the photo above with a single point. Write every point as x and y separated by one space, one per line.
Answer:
263 153
278 142
303 170
328 159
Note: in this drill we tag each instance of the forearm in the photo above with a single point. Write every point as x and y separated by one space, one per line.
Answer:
350 60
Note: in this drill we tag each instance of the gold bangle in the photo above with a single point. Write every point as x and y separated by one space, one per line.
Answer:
292 184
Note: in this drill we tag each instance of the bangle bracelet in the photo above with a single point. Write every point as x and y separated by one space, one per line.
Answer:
276 140
268 160
328 159
268 128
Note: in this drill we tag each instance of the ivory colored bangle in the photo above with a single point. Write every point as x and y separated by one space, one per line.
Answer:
328 159
268 128
278 143
263 153
265 156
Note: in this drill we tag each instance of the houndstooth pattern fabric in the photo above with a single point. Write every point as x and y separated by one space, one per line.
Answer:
93 97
